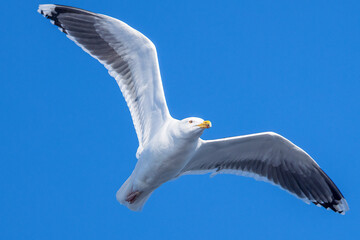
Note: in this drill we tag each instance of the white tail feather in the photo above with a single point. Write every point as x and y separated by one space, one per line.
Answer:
125 190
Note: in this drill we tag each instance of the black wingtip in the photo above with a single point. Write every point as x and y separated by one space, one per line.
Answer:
338 203
64 9
51 12
335 205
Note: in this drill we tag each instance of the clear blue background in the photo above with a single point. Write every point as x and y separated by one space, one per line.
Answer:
67 142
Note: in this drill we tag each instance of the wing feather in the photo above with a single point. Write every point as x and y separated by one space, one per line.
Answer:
129 56
272 158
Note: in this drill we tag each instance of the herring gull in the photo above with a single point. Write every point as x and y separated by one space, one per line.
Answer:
169 148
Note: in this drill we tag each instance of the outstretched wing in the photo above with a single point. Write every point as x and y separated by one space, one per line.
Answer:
128 55
269 157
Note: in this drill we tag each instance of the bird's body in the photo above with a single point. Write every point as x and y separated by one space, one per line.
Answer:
161 160
170 148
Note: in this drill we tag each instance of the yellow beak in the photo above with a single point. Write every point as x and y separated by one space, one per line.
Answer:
205 124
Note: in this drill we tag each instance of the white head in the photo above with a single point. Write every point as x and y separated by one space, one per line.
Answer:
192 127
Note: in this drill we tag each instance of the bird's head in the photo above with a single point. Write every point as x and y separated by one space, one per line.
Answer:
193 126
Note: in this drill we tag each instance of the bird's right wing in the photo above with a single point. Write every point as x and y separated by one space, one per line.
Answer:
269 157
128 55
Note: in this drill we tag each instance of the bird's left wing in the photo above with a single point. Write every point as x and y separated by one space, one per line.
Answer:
129 56
269 157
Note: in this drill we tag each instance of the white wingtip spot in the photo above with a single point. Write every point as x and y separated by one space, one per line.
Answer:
343 206
46 9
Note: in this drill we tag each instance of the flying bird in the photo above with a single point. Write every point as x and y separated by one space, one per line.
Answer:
169 148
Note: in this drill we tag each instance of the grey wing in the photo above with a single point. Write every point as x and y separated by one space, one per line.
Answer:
129 56
269 157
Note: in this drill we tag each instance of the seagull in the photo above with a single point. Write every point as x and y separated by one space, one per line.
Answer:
169 148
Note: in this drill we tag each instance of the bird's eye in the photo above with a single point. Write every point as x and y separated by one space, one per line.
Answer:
191 121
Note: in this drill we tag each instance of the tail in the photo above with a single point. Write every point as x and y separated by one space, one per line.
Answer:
125 190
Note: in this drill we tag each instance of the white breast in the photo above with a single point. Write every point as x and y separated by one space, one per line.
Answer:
163 159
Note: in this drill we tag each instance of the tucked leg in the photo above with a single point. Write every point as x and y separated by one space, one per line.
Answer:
132 197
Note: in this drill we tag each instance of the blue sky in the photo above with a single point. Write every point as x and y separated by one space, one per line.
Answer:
67 142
